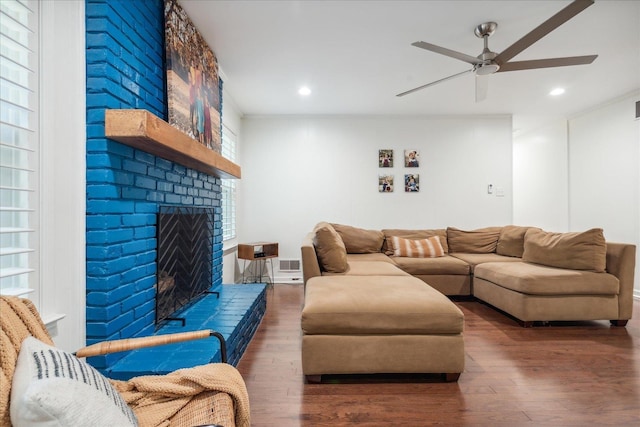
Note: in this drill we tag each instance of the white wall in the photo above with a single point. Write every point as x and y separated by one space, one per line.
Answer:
604 169
298 171
540 177
568 175
62 275
584 172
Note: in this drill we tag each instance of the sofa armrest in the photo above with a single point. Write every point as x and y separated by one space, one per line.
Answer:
310 265
621 262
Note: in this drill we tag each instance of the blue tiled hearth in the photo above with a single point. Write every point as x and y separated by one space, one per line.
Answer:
236 314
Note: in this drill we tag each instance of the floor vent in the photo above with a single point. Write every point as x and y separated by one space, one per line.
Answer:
289 265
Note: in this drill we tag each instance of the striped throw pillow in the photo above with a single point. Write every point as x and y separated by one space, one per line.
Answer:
417 248
51 387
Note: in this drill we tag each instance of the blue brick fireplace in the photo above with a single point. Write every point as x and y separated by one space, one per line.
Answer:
126 186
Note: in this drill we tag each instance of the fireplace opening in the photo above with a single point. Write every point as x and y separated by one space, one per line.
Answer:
185 258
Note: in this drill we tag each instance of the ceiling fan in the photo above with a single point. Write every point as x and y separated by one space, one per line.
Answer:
489 62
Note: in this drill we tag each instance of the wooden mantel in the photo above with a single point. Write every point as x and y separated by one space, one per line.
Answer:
145 131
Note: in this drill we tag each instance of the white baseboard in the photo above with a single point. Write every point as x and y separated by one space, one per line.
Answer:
288 279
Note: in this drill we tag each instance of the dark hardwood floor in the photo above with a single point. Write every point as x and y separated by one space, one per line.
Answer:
563 374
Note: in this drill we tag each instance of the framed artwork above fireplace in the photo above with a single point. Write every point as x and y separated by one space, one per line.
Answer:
194 88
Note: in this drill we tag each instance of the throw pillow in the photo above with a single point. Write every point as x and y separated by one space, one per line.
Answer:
359 240
480 241
53 387
388 248
576 251
423 248
511 241
330 249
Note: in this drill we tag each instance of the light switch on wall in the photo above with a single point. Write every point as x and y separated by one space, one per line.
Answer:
499 192
490 189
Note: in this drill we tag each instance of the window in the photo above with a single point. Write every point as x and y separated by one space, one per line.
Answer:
18 147
228 187
42 160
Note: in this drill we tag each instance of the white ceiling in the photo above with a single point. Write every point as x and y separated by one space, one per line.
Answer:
357 55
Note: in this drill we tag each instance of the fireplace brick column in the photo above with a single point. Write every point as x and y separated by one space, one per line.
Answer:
125 186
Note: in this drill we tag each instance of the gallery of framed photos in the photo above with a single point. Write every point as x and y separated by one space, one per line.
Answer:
411 179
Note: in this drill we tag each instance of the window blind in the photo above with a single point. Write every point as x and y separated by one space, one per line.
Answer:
18 145
228 187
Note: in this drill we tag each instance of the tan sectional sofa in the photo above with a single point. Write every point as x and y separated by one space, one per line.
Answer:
360 286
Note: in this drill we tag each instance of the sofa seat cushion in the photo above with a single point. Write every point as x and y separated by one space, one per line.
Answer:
534 279
377 257
377 305
441 265
370 268
475 259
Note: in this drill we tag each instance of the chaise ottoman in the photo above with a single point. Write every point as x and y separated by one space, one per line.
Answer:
379 324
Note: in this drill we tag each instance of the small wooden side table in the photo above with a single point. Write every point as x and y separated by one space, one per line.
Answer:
257 254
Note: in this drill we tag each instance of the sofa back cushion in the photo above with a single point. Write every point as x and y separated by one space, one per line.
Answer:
389 249
330 249
480 241
576 251
511 241
417 248
358 240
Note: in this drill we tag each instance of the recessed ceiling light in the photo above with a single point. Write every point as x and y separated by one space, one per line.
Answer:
557 91
304 91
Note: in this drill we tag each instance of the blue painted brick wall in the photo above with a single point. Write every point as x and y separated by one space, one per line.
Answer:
125 186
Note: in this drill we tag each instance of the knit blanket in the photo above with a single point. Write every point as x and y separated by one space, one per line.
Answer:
18 320
155 399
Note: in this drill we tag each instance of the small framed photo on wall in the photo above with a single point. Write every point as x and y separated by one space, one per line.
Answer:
385 158
411 183
411 158
385 183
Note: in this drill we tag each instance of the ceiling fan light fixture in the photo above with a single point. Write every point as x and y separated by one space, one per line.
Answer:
485 70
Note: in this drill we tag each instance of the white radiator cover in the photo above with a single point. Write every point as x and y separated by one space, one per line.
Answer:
289 271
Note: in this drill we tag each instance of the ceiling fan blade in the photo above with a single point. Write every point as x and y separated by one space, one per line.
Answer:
547 63
482 87
433 83
542 30
448 52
